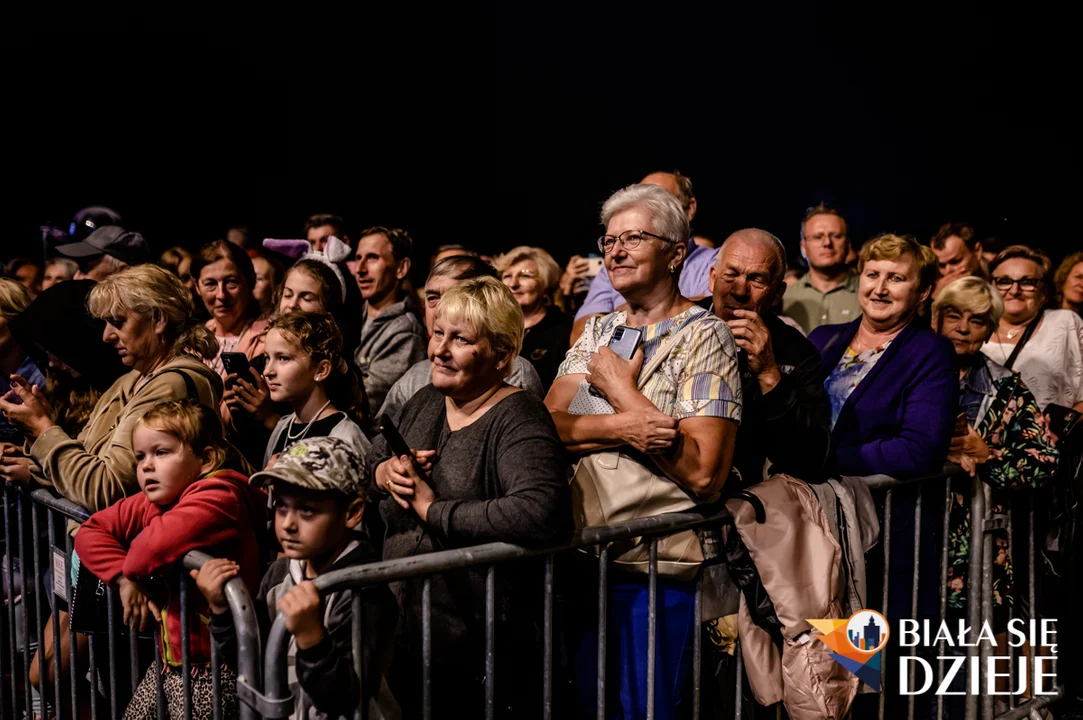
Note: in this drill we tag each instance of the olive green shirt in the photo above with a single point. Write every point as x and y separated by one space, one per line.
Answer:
811 308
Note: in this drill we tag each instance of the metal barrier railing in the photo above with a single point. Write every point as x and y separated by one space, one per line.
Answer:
17 503
278 702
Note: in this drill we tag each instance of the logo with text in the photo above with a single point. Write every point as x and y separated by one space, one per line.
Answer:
857 642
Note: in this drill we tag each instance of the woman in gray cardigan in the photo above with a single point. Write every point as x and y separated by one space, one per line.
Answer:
489 468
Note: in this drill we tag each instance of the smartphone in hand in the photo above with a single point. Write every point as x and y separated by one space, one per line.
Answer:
386 427
235 363
624 343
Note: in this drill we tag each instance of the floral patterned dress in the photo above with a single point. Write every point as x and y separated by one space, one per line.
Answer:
1022 455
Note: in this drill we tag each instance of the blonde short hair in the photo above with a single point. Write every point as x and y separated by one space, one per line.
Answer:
191 422
969 294
153 292
14 298
893 247
488 306
548 270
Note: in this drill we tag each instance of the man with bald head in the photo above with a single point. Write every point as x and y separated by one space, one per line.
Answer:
786 418
603 299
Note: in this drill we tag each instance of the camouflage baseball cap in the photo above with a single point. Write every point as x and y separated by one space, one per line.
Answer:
319 463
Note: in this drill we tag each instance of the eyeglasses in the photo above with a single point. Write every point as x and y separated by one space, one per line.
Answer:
630 239
1026 284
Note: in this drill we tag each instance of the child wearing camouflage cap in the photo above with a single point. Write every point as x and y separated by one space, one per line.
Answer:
318 499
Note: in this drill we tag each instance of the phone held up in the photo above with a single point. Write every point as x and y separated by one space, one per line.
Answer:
236 363
624 343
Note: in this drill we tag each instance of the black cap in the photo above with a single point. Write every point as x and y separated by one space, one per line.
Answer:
90 219
114 240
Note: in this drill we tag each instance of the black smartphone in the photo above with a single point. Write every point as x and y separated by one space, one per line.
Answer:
235 363
624 343
386 427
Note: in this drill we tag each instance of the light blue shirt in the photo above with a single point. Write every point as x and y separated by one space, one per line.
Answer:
695 277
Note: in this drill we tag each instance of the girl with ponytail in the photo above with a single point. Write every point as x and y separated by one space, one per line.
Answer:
307 370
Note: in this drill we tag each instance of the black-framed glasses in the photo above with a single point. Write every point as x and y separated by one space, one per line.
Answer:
630 239
1026 284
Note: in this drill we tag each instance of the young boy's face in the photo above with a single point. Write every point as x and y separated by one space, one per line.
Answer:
311 524
165 466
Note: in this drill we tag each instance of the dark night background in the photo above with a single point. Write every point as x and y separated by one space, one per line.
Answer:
507 124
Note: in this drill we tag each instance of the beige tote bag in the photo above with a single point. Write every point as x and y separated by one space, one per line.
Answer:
623 484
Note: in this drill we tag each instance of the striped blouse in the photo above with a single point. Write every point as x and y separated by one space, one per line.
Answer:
699 377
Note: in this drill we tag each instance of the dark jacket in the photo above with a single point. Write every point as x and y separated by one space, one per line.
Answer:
325 677
546 344
57 322
791 425
899 419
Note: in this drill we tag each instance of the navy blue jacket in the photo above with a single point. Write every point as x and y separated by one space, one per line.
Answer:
899 420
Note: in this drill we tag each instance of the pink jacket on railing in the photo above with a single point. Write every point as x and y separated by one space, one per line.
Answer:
220 514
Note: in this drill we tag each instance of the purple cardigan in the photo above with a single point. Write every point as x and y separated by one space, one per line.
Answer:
899 420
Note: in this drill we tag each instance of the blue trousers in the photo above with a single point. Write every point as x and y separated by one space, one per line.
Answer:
626 653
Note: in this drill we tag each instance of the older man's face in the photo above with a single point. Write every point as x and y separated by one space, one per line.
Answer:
744 278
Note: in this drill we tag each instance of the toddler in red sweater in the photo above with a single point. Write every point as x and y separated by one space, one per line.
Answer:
189 502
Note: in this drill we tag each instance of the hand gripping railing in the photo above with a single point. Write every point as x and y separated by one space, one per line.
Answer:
249 656
278 703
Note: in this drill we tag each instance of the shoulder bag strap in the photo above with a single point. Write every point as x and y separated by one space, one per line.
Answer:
1023 340
663 352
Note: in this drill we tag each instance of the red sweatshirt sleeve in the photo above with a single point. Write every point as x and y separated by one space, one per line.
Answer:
104 540
208 513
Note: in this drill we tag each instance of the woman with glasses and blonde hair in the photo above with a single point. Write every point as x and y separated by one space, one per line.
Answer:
661 424
534 280
1044 346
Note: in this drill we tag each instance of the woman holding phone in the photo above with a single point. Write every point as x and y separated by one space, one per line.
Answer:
150 320
487 466
225 279
669 413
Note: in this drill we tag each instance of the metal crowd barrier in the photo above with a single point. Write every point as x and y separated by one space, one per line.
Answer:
17 693
979 585
278 703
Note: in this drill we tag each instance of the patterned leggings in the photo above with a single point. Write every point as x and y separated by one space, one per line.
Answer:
144 704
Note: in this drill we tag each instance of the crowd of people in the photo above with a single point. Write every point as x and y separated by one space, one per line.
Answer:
191 401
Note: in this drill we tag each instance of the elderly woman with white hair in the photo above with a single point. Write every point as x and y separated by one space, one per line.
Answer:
534 279
1007 441
487 466
655 433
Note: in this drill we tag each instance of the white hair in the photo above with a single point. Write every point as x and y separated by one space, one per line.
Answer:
669 218
70 266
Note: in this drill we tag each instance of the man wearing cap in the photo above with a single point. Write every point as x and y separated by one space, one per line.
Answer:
106 251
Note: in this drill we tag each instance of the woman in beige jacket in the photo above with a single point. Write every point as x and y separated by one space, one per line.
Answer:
150 320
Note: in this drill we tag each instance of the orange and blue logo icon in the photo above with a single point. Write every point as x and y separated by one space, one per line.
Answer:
857 642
